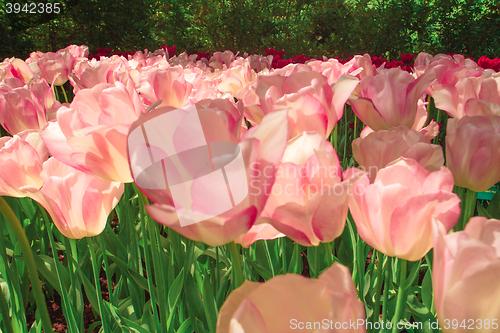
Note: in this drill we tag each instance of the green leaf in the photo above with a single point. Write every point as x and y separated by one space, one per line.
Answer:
175 291
426 290
185 327
421 312
266 275
209 304
194 303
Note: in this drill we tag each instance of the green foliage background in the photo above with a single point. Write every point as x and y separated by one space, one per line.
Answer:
310 27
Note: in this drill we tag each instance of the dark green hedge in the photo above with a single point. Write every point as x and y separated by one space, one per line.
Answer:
310 27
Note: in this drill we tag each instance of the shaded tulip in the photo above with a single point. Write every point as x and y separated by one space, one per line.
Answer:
261 148
221 60
78 203
394 214
473 151
289 302
465 276
20 165
378 149
27 107
308 200
91 134
469 96
390 98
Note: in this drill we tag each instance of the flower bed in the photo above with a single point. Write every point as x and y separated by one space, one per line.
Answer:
227 193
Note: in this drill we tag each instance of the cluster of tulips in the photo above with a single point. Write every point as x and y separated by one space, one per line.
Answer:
406 195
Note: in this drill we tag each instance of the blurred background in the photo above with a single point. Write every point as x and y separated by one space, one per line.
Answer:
310 27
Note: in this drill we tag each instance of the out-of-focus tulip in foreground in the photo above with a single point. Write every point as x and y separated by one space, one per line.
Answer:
465 276
261 148
293 302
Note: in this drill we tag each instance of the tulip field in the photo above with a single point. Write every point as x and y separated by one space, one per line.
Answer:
226 193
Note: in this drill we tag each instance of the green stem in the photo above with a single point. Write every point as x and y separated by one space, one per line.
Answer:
329 254
149 272
401 300
355 126
56 93
106 267
4 310
236 263
283 254
380 269
335 137
64 93
96 269
30 264
460 191
217 273
71 321
470 205
361 261
428 260
387 283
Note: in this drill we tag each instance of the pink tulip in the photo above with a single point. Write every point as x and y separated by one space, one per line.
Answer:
473 151
390 98
261 231
91 74
261 149
167 85
446 67
20 165
237 78
378 149
17 68
358 66
78 203
465 276
54 67
311 103
469 96
394 213
308 200
27 107
221 60
91 134
293 302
